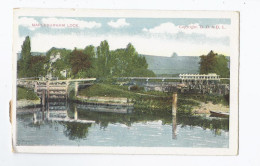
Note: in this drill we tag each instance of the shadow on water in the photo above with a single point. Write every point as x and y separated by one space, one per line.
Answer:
77 119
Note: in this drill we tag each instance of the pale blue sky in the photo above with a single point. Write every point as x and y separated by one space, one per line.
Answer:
154 36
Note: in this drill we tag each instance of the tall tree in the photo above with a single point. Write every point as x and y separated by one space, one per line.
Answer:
221 67
127 62
36 66
103 59
214 63
80 63
23 63
207 63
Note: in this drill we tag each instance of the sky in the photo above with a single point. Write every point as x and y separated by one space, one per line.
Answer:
150 36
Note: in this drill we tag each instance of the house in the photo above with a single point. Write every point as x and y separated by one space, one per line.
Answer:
63 73
55 57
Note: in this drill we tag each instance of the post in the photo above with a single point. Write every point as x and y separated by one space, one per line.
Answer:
76 88
48 111
48 90
75 113
35 87
174 127
67 90
174 115
34 118
174 103
43 98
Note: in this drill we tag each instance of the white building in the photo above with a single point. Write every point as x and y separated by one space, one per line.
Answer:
55 57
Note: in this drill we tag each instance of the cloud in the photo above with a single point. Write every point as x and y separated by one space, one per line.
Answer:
81 24
119 23
217 31
143 45
168 27
27 22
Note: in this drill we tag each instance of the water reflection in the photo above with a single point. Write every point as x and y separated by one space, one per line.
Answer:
77 120
174 127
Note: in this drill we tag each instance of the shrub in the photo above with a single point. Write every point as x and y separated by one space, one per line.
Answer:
24 93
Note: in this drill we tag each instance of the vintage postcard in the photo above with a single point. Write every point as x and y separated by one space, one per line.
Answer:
125 81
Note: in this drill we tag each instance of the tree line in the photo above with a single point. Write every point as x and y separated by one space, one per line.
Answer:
100 62
214 63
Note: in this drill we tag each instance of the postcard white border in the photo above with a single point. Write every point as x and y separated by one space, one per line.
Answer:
234 80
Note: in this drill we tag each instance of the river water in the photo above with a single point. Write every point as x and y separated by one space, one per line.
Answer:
71 124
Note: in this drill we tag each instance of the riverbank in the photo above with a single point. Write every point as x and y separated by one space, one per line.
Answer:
152 100
140 99
26 98
108 101
27 103
205 108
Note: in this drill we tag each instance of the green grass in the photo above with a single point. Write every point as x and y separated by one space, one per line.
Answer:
143 101
24 93
108 91
206 98
152 100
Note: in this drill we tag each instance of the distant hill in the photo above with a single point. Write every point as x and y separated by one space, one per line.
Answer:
173 65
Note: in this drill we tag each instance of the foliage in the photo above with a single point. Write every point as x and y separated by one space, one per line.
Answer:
23 63
224 100
55 68
103 57
36 66
221 67
75 130
24 93
80 62
146 115
128 63
214 63
136 88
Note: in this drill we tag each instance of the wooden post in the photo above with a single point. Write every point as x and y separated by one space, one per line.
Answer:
34 118
76 88
75 113
35 87
48 111
174 103
48 90
43 98
174 127
174 115
67 90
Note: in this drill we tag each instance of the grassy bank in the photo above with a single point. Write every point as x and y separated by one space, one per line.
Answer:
26 98
27 94
224 100
143 101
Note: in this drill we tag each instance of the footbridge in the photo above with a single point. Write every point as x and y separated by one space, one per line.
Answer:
53 89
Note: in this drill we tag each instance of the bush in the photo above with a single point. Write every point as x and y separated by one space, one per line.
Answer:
135 88
24 93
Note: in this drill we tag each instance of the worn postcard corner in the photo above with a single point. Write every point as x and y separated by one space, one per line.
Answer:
10 111
125 81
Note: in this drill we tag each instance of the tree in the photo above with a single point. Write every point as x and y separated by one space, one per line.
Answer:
221 67
207 63
36 66
23 63
59 65
80 63
214 63
90 50
127 62
103 59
